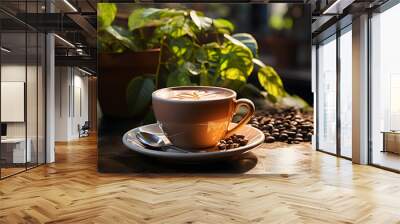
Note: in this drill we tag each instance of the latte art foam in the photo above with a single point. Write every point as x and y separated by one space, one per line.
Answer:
194 94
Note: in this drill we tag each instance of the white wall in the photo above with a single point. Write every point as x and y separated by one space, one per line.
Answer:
33 126
71 102
62 81
12 73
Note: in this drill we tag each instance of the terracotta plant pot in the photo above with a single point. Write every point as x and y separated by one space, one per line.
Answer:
116 70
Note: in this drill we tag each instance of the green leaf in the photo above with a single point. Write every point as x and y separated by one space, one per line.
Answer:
123 35
235 74
258 62
202 22
271 82
234 40
144 17
200 54
223 26
234 54
138 94
192 68
147 17
108 43
247 40
176 28
179 77
106 13
180 47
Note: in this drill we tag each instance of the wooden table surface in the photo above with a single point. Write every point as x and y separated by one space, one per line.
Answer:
115 157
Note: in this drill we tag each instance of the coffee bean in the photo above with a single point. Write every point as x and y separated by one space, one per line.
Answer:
270 139
291 133
264 120
295 142
275 135
263 127
294 123
240 136
298 139
243 142
283 137
222 146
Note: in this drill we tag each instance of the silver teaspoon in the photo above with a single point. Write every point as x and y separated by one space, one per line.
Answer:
155 141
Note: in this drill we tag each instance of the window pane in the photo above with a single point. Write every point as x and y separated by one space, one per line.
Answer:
345 94
385 84
327 97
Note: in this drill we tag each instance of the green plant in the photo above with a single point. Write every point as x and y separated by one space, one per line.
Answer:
194 50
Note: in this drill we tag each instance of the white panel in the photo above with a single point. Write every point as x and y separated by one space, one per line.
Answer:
12 101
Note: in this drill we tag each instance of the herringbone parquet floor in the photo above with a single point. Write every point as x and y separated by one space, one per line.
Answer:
317 188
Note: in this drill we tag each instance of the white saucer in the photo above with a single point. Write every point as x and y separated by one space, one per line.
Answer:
255 137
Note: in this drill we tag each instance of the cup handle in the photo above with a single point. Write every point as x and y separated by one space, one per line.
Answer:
250 112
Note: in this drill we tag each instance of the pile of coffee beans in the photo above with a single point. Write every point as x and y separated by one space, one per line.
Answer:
287 125
233 141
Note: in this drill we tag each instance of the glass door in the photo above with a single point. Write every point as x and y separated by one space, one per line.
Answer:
385 89
22 78
14 153
326 98
345 58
